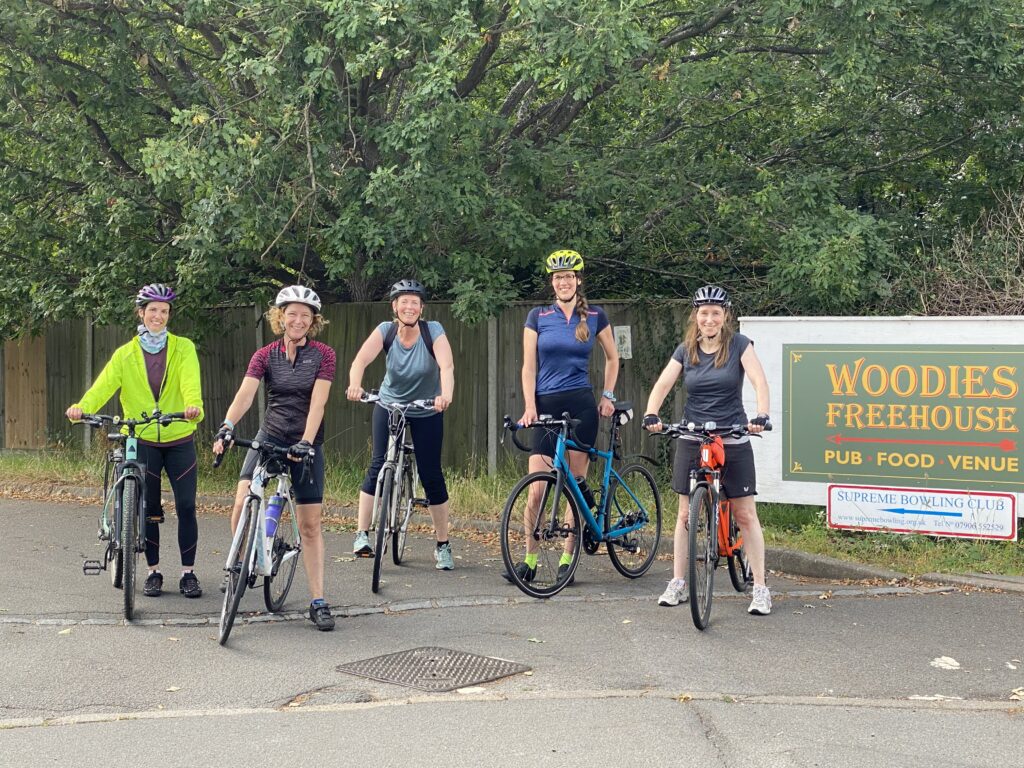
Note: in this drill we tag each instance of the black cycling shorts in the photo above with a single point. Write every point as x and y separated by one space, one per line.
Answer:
580 404
738 477
309 492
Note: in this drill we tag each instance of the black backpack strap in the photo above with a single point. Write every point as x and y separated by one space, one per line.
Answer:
392 332
425 333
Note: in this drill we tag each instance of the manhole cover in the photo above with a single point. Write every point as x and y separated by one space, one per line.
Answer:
433 669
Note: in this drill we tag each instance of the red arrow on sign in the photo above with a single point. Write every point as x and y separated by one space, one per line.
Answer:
1003 445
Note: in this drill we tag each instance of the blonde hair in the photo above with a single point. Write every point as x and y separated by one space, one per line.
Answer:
275 316
691 338
582 329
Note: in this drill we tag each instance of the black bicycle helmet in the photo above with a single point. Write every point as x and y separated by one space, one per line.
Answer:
402 287
711 294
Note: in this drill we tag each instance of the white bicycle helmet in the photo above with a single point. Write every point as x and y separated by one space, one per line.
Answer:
298 293
711 294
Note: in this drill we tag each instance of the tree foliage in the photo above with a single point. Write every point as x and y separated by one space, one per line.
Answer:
813 155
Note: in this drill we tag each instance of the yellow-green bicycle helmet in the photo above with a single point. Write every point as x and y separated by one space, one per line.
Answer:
560 261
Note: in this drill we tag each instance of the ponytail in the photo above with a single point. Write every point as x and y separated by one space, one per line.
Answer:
582 329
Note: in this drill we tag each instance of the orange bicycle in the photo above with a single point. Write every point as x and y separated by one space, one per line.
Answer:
713 531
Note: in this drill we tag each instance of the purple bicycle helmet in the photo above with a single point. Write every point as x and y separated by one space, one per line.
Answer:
154 292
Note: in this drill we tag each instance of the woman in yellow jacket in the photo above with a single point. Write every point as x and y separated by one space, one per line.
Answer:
154 370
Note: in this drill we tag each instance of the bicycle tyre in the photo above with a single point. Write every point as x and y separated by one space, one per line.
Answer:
383 504
128 542
238 581
634 554
703 553
286 540
115 558
739 566
403 512
517 519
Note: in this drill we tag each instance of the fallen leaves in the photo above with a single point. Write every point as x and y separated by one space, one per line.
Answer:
173 689
1017 694
945 662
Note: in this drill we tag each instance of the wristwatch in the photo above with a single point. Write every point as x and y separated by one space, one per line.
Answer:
609 395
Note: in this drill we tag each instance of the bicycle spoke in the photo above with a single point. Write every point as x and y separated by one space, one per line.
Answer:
634 500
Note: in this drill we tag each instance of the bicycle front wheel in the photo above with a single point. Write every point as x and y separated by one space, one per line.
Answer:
403 511
129 535
114 555
536 525
739 567
634 500
243 545
703 551
383 518
284 558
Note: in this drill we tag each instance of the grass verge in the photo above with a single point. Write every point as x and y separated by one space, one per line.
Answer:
481 497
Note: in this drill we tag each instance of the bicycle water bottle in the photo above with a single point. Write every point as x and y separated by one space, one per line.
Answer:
588 495
274 506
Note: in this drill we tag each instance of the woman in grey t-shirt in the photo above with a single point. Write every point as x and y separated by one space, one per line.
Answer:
414 372
714 359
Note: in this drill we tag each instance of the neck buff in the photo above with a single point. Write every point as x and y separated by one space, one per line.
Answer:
152 342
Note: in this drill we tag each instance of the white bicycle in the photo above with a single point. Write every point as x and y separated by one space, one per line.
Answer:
266 541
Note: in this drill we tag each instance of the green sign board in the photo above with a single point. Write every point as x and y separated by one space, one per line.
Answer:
928 416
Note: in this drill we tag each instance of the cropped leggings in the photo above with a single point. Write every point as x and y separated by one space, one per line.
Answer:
179 461
427 436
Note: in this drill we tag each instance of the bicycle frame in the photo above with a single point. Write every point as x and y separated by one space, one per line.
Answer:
262 563
711 476
565 477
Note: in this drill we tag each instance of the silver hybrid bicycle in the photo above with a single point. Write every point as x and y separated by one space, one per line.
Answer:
266 541
393 498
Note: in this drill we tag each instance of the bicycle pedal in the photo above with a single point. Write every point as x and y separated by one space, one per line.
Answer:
420 503
92 568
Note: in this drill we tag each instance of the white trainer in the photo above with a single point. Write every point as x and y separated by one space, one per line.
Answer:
675 593
761 605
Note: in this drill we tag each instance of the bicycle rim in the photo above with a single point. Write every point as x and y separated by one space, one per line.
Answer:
284 558
129 536
238 575
703 546
383 505
635 499
403 513
527 526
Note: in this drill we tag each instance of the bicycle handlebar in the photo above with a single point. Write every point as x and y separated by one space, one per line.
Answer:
544 420
708 429
97 420
373 397
268 449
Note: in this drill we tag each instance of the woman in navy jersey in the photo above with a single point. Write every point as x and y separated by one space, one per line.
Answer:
557 343
713 360
297 372
419 366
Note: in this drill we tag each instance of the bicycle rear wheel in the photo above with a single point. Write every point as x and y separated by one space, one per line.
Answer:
382 503
241 554
634 500
703 553
527 527
129 550
403 511
284 556
739 567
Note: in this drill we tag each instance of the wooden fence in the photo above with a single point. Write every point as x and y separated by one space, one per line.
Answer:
38 387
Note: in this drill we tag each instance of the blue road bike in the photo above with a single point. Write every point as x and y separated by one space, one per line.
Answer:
123 519
553 515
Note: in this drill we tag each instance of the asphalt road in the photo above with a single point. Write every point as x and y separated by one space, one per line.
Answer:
839 675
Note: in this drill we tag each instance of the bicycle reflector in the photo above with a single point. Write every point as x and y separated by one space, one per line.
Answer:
713 454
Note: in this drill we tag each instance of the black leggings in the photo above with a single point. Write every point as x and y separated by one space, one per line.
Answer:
427 436
179 461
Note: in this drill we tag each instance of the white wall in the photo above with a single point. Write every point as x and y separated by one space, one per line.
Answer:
770 333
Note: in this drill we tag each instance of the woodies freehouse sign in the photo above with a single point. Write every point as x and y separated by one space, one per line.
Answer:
929 416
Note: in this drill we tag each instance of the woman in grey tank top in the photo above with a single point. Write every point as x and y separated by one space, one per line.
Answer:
714 360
